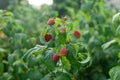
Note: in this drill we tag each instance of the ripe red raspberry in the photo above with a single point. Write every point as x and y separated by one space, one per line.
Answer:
48 37
64 51
56 57
77 34
51 21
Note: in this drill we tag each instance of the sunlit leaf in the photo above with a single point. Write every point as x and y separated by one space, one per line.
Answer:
33 50
115 73
85 58
108 44
65 63
115 17
2 50
118 30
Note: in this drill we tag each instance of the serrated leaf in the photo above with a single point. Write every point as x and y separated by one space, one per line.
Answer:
42 34
12 58
65 63
17 62
115 73
71 56
7 13
34 75
58 21
1 68
34 50
76 48
71 50
62 76
48 59
2 50
108 44
115 16
32 61
62 38
118 30
47 77
85 59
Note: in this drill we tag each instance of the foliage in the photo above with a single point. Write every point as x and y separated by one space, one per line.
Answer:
25 54
115 71
95 21
13 40
65 7
3 4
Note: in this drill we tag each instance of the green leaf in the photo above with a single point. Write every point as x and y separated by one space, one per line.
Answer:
119 55
48 59
71 50
42 34
115 16
8 13
1 68
6 31
65 63
118 30
76 46
62 76
1 57
115 73
34 75
108 44
62 38
34 50
85 58
2 50
47 77
6 76
12 58
58 21
71 56
20 36
32 61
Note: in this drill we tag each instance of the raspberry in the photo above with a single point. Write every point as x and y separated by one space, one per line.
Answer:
62 29
51 21
65 18
56 57
77 34
64 51
48 37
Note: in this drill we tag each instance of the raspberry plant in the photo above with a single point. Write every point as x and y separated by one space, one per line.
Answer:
115 71
61 55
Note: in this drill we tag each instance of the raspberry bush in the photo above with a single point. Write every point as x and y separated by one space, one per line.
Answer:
61 60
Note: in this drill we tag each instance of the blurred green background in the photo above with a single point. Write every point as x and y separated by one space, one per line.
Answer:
21 25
